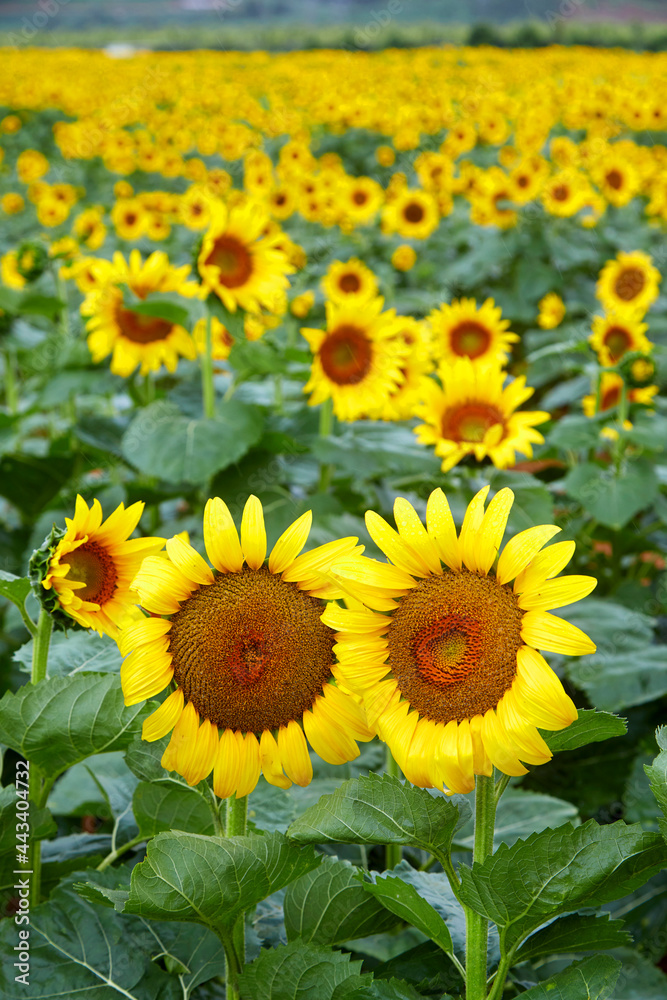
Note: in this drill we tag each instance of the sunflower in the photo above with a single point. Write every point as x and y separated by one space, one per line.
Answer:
464 330
613 336
617 179
359 199
565 193
134 338
552 311
221 339
452 678
404 257
472 414
416 366
9 271
86 571
628 283
610 395
129 218
358 358
193 207
351 282
412 213
237 263
249 656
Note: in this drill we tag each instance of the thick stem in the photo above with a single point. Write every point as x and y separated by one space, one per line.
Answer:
393 853
11 394
622 417
232 968
326 426
208 389
61 288
237 813
477 926
40 655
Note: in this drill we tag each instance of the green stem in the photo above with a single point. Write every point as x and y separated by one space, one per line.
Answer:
232 966
477 926
622 417
237 813
598 394
61 287
208 389
326 426
11 394
278 393
113 855
393 853
40 655
149 386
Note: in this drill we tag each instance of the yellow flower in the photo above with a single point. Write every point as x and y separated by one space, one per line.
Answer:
472 414
404 257
357 359
464 330
242 267
91 569
301 305
31 165
9 271
12 203
610 395
452 678
221 339
351 283
90 229
629 283
10 124
413 214
251 660
385 156
565 193
194 207
134 338
552 311
613 336
415 367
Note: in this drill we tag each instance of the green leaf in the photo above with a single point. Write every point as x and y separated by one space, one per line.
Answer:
575 432
612 627
234 322
167 307
33 304
79 949
63 720
435 889
143 759
14 588
167 805
30 481
557 871
364 987
657 774
212 881
590 727
75 652
379 810
621 680
403 899
296 971
572 934
40 821
519 814
592 979
639 978
329 906
255 357
162 442
610 498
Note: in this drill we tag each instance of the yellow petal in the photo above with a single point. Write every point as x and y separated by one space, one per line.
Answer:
290 543
249 764
253 533
472 520
396 727
161 586
414 534
447 761
203 753
160 722
327 740
498 747
487 539
521 549
221 537
393 546
556 593
319 560
294 753
370 573
141 633
417 764
226 765
539 694
544 631
528 744
269 758
480 758
345 713
188 561
547 563
383 697
364 622
176 756
441 528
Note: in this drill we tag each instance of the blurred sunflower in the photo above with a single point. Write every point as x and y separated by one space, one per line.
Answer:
610 395
551 311
239 265
628 283
412 213
86 571
464 330
613 336
472 414
357 359
350 282
250 657
452 678
131 337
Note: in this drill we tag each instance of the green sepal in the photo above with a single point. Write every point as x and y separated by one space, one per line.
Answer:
38 568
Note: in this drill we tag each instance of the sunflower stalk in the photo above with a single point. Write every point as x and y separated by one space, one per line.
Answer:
11 394
393 852
477 926
208 389
235 826
38 788
326 427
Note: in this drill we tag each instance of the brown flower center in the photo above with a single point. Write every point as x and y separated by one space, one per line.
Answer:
629 283
142 329
233 261
349 283
413 212
452 644
91 564
617 340
561 192
346 355
250 651
470 339
470 421
610 397
359 197
615 179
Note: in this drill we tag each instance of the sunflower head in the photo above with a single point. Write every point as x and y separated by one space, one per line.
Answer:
38 570
243 642
31 260
637 369
466 330
452 677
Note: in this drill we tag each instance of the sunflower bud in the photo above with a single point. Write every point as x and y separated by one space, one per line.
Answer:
31 260
637 369
38 570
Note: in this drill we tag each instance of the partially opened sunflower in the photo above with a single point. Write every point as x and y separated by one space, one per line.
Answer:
452 677
244 645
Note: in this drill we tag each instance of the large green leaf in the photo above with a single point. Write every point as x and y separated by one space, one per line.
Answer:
592 979
40 821
162 442
168 805
75 652
613 499
379 810
30 481
589 727
211 881
297 971
621 680
329 906
403 899
657 774
556 871
63 720
15 588
575 933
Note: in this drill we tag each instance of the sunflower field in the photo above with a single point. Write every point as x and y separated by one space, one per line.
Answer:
333 525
